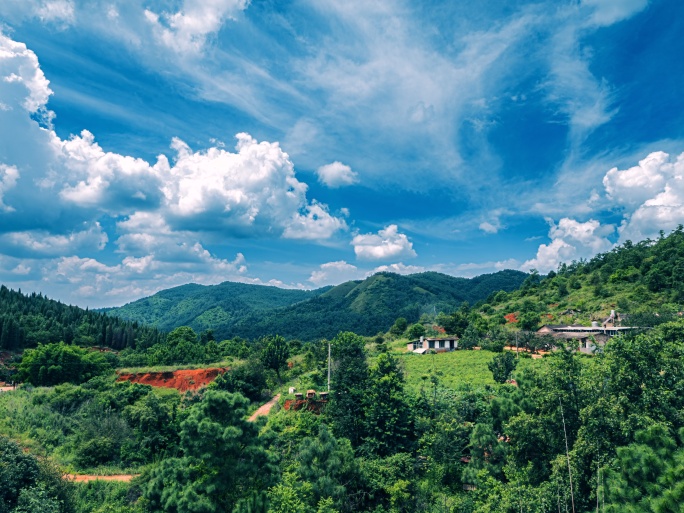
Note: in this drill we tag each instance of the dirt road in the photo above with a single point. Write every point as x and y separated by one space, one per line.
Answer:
263 410
84 478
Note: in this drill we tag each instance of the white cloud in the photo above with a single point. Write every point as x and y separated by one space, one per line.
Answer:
253 191
570 240
59 198
56 11
8 179
104 180
387 244
332 273
651 193
337 175
632 187
41 242
398 268
607 12
187 30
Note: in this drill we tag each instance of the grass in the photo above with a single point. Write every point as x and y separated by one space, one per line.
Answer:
453 369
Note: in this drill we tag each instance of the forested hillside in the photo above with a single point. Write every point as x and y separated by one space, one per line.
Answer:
366 307
27 320
643 282
213 307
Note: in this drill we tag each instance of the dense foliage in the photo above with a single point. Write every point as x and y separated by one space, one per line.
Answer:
27 320
366 307
52 364
643 282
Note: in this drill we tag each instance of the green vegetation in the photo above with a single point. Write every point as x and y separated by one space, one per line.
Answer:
52 364
440 432
643 282
27 320
366 307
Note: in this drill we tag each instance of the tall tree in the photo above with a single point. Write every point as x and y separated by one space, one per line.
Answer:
223 460
349 387
275 353
389 419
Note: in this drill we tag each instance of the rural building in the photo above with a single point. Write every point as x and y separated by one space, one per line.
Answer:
587 336
439 345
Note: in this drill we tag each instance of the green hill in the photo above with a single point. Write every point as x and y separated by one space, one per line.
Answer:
365 307
644 282
29 319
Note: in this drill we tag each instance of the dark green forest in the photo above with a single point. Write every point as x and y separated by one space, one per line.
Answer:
27 320
366 307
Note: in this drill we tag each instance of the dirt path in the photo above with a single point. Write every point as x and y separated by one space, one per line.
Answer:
84 478
263 410
125 478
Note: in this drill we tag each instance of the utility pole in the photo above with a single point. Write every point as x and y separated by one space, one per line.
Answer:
328 366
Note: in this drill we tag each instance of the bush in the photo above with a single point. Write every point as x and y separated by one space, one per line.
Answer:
52 364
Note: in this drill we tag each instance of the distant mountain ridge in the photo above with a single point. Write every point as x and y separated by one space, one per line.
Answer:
365 306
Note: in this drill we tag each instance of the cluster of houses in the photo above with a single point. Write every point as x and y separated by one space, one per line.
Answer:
589 337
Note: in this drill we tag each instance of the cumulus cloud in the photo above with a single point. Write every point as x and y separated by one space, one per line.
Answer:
651 194
332 273
41 242
386 244
570 240
337 175
59 199
187 30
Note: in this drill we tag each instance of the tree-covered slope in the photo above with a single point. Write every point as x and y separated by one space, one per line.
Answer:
214 307
644 282
372 305
27 320
365 307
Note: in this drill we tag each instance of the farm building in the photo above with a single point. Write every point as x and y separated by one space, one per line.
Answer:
439 345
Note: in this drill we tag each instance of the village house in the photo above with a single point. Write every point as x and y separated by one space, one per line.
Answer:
589 337
438 345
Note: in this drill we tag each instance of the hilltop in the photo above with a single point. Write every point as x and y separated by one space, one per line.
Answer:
365 306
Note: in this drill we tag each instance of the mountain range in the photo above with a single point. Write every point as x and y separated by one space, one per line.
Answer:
366 306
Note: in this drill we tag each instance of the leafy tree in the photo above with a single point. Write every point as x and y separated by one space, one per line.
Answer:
327 465
275 353
51 364
29 485
389 420
648 475
502 365
415 331
223 460
349 387
470 338
399 326
248 379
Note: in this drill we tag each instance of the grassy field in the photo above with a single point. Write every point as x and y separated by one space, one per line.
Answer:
453 369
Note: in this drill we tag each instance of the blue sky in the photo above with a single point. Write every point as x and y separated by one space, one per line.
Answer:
149 143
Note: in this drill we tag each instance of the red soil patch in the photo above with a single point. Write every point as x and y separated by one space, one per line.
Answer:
312 405
181 380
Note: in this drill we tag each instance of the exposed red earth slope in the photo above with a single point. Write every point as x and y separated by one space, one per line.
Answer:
181 380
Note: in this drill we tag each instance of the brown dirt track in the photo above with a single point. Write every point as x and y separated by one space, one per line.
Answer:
83 478
181 380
